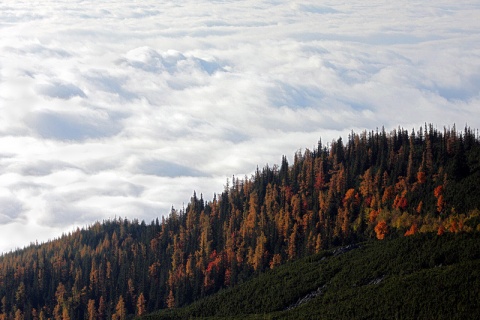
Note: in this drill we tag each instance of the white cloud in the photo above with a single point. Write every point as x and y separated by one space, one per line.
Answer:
120 108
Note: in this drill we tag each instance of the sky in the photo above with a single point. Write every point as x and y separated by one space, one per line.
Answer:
119 108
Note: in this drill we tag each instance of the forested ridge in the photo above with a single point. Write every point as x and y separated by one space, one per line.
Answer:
375 185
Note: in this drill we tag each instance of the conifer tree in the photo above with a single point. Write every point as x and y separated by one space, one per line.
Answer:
120 310
91 310
141 305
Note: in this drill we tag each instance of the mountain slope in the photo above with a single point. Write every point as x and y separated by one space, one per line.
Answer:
420 277
377 185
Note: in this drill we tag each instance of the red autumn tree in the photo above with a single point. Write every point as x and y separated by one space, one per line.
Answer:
440 203
438 191
421 177
441 230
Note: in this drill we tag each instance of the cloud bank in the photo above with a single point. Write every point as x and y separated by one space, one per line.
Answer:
121 108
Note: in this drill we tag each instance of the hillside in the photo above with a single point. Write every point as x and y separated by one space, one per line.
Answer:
421 277
377 185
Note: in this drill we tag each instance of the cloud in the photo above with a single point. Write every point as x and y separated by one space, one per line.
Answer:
119 109
61 90
150 60
71 126
10 209
42 167
164 168
111 84
38 50
313 8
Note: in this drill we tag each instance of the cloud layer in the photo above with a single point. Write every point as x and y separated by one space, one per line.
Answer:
121 108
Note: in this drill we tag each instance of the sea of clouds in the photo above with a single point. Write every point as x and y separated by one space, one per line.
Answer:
120 108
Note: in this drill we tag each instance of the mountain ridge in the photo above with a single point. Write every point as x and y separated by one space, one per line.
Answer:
377 185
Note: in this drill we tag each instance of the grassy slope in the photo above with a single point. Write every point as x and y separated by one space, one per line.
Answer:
422 277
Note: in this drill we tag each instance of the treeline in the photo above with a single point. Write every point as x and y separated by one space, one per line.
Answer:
375 185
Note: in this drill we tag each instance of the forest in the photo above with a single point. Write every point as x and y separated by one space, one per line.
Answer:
376 186
424 276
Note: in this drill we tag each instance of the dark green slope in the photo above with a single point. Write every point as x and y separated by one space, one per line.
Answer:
420 277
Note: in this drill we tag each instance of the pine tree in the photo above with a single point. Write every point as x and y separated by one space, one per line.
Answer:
170 300
19 315
65 314
141 305
120 310
101 309
91 310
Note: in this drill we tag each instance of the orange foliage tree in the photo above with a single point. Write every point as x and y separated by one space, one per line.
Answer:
141 305
381 229
421 177
438 193
413 229
372 216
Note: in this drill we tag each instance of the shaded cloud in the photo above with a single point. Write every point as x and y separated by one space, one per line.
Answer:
71 126
314 8
164 168
10 209
39 50
100 80
150 60
299 96
61 90
42 167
